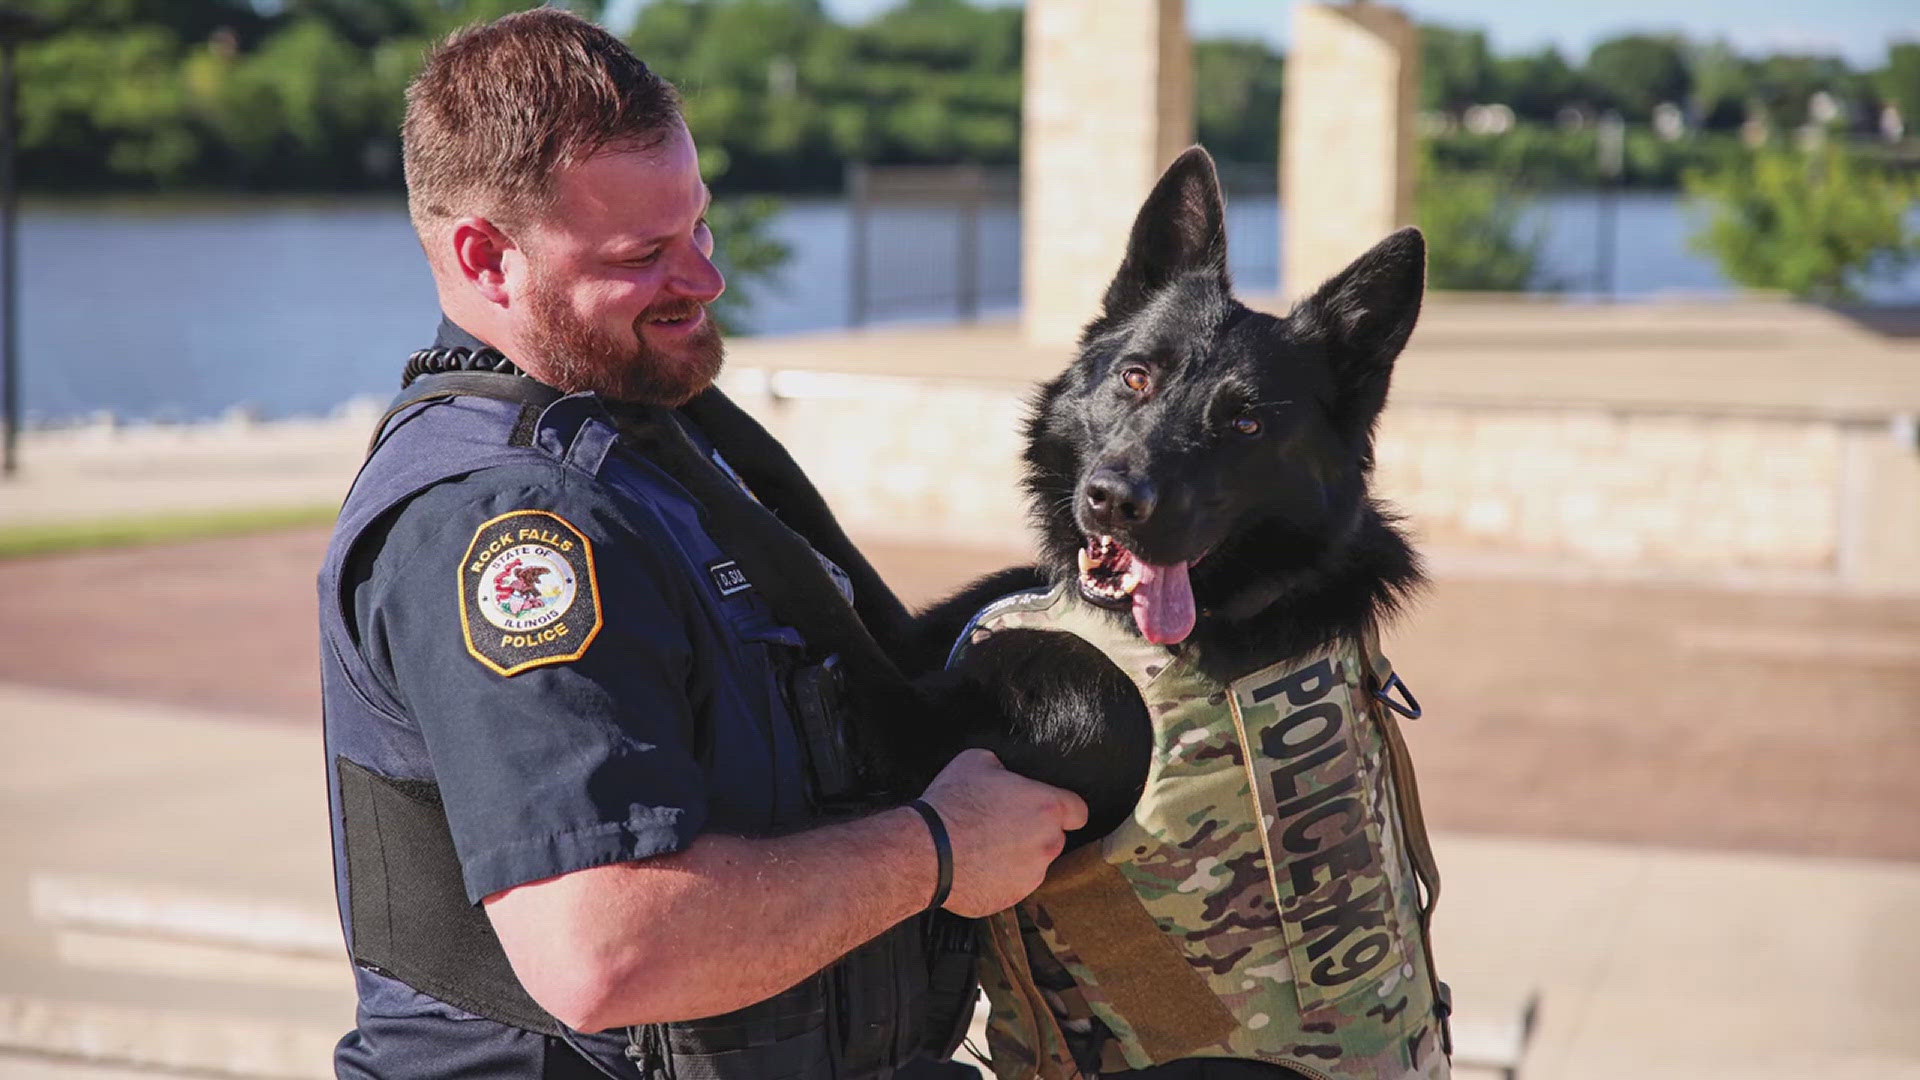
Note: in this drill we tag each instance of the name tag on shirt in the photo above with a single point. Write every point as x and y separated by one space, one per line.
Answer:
729 578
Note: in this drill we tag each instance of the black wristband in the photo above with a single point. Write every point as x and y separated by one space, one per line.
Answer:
942 847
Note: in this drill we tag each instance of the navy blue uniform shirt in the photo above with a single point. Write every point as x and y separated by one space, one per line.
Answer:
549 635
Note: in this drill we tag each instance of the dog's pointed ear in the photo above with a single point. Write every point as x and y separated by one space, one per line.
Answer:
1182 227
1364 316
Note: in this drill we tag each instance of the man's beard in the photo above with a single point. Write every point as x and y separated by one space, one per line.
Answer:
577 355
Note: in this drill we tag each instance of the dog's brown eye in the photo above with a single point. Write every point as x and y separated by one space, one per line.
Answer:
1138 379
1246 425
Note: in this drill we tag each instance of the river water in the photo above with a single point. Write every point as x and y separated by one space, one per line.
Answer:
185 311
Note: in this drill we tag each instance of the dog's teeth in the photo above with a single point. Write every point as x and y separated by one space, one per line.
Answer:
1129 581
1086 561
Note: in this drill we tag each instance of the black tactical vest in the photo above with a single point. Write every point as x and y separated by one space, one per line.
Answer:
400 889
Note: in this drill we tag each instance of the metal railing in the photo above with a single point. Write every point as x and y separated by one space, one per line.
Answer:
925 241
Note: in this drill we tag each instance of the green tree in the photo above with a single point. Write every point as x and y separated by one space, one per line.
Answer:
1635 72
187 20
788 95
367 23
1456 68
945 36
1899 81
1536 86
1723 86
1811 224
307 94
294 95
1475 236
1784 85
298 106
1237 87
940 80
756 76
747 252
135 129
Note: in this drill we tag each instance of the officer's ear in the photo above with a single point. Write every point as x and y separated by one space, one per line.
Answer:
482 253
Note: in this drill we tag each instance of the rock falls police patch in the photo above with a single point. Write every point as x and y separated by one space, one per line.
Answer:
528 592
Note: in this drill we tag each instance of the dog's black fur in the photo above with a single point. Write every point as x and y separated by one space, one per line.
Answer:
1296 552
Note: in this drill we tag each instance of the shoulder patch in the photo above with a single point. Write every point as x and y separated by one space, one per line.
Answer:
528 592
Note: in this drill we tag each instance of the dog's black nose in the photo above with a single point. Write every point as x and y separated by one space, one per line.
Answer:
1115 500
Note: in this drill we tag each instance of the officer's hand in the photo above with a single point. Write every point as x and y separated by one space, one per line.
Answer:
1005 829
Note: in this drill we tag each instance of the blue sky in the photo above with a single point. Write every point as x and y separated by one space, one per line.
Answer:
1856 29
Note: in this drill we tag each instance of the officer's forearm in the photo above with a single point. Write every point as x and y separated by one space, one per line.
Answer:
724 924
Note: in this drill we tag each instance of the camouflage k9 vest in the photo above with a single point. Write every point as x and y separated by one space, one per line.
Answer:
1267 899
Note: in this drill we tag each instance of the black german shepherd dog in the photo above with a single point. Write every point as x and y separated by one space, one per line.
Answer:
1200 470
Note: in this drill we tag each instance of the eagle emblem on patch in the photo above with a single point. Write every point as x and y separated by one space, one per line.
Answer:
529 594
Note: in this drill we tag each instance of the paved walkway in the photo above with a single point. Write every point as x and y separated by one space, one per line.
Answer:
1559 709
125 819
100 473
1748 356
170 903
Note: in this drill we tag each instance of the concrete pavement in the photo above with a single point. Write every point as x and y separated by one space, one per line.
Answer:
1661 963
104 472
1558 709
107 796
1748 356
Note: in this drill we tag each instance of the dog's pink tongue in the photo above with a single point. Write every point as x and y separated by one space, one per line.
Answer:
1163 602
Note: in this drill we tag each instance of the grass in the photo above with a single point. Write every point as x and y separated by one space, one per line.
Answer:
21 541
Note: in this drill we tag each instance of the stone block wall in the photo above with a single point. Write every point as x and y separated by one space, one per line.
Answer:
906 459
1731 498
1618 488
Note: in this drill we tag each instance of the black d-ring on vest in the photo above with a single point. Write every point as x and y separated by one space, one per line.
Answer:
1411 710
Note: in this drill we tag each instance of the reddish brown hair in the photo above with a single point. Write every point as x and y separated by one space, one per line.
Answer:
499 106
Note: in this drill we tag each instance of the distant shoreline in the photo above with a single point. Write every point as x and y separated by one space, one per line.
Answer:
104 426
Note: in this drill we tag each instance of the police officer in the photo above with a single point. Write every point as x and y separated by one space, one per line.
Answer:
577 780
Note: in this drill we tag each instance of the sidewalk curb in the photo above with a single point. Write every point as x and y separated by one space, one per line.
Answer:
173 1042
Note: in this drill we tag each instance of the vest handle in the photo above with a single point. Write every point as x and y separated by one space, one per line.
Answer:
1406 790
518 389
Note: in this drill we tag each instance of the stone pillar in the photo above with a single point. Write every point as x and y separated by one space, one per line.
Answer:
1108 104
1347 154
